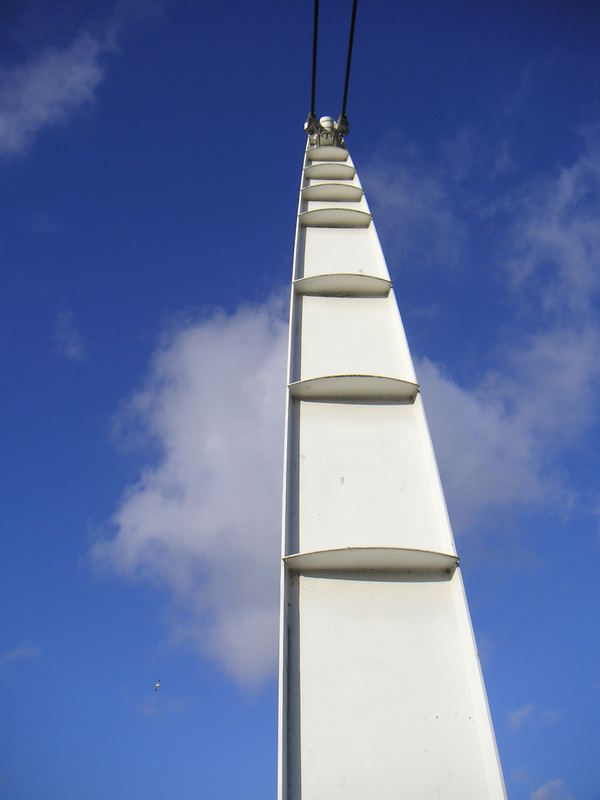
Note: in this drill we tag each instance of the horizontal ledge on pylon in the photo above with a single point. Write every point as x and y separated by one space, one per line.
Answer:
327 152
330 171
357 388
343 284
380 559
335 218
333 192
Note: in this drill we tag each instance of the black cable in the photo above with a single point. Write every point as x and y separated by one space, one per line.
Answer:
343 119
314 60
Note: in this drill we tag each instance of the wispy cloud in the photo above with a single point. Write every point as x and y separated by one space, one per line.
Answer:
519 716
55 82
152 704
68 341
44 224
498 438
47 89
204 521
22 652
521 776
409 198
550 716
556 258
486 645
527 714
157 707
554 789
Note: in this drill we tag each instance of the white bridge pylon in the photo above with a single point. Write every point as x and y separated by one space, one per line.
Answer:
380 689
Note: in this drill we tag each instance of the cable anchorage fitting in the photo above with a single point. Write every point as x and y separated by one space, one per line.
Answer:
326 131
342 125
311 126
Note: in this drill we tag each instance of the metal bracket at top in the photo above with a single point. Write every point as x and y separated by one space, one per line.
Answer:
326 131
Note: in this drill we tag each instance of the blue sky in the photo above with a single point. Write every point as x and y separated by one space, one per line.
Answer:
149 159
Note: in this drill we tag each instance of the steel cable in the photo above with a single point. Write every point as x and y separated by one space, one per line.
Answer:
311 125
314 59
343 120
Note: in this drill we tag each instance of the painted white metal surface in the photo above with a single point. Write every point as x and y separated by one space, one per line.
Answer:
368 388
381 559
327 153
330 170
331 217
329 191
343 285
381 692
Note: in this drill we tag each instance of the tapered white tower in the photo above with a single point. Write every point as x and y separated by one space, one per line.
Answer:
381 692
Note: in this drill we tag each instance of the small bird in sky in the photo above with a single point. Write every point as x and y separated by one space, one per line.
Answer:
157 685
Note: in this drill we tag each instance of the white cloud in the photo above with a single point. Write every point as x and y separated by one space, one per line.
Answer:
55 82
486 646
45 90
557 236
22 652
521 776
526 714
498 439
410 203
553 789
485 458
550 716
205 520
67 338
503 161
159 708
518 717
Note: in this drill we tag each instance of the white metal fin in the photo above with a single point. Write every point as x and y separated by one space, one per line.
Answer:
381 692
